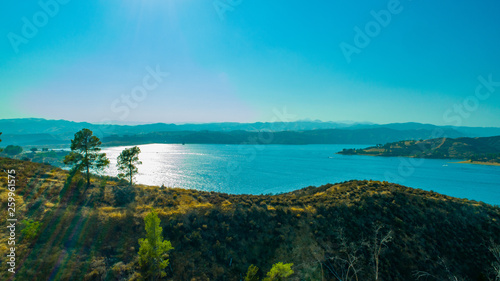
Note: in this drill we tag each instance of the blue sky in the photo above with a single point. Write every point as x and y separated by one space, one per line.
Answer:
241 60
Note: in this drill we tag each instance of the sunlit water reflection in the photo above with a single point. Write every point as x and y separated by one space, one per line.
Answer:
266 169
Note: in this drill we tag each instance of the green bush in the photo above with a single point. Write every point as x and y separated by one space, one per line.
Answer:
31 228
13 150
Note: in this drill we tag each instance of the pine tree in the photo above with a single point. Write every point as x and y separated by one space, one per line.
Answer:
84 155
127 163
153 251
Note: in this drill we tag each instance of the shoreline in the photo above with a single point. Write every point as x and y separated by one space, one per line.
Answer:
459 162
478 163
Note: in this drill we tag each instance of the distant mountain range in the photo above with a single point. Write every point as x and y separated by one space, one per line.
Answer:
33 131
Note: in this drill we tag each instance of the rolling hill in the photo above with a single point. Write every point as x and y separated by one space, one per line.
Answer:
482 150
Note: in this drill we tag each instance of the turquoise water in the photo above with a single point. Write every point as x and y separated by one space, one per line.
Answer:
264 169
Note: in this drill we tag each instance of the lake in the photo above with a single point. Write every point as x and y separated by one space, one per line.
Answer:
247 169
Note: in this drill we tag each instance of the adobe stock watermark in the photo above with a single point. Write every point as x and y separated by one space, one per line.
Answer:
253 145
455 117
249 149
11 221
463 110
363 37
223 6
122 106
31 26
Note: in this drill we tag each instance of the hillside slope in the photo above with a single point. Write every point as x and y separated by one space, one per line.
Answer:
92 234
474 149
329 136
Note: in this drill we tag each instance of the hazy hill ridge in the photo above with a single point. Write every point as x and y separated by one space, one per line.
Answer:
322 136
92 234
31 131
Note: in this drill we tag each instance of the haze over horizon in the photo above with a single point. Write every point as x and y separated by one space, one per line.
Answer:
342 123
252 62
